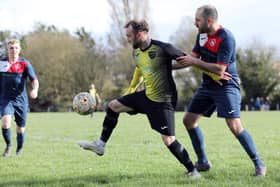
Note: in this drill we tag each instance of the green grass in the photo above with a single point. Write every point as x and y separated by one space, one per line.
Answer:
135 154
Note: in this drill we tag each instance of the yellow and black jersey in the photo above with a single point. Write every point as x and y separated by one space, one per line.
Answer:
155 64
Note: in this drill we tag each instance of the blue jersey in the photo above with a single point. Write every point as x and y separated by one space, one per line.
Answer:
13 78
218 48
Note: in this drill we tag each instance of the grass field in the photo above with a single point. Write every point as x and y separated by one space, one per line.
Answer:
135 154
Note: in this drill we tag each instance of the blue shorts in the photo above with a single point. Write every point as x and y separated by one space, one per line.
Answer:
19 110
226 100
160 114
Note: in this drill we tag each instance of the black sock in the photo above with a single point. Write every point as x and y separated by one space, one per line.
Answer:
181 154
7 136
109 123
20 140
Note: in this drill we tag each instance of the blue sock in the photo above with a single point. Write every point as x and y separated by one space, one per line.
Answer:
20 140
198 144
248 144
6 133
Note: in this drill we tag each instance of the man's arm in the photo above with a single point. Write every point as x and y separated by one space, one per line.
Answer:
35 87
177 65
137 79
215 71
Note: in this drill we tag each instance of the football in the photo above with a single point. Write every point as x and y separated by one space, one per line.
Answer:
84 103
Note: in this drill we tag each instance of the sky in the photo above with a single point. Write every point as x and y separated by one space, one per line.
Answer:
248 19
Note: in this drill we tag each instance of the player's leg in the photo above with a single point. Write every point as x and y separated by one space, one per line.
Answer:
20 119
247 143
181 154
228 106
110 121
161 118
197 139
6 133
111 118
20 139
201 104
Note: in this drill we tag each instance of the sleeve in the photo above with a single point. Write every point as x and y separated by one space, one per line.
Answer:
196 46
137 79
173 52
30 72
225 51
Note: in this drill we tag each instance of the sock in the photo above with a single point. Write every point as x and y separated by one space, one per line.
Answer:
20 140
198 144
181 154
6 133
248 144
109 123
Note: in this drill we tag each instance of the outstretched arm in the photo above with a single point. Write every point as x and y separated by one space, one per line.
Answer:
215 71
215 77
137 79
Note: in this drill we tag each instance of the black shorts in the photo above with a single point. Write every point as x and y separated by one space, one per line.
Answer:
160 114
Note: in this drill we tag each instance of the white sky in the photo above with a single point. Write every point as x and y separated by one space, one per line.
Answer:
247 19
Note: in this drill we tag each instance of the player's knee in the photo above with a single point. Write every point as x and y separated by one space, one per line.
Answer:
167 140
111 120
189 122
111 113
114 105
20 129
236 129
235 126
6 121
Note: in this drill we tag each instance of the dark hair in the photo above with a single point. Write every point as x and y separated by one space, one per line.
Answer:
138 26
209 11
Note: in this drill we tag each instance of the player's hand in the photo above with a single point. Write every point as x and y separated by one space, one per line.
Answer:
33 93
225 76
186 60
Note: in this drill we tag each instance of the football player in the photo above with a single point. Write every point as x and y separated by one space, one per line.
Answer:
153 60
14 72
214 51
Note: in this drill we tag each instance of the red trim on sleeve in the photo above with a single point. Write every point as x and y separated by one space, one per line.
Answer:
222 63
195 52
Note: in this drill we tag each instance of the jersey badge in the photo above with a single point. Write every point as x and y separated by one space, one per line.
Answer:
203 38
152 54
212 42
4 66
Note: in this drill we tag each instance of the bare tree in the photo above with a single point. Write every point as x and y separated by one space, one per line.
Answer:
187 79
123 11
121 68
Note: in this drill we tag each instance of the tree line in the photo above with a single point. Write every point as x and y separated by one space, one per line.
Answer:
67 63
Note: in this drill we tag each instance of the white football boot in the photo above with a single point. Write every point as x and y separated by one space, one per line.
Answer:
194 175
94 146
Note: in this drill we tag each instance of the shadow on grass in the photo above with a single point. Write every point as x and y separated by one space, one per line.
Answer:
69 181
101 180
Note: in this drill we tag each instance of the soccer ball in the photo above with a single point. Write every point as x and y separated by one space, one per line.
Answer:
84 103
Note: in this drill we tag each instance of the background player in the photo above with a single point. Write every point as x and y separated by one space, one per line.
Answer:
14 72
93 92
214 51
